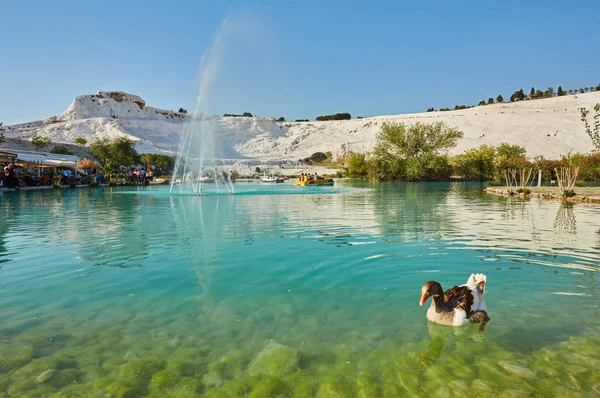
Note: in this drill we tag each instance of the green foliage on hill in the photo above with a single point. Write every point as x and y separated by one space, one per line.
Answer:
80 141
40 142
337 116
63 150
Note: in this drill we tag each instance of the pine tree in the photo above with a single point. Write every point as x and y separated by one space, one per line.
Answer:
499 98
490 100
532 93
560 92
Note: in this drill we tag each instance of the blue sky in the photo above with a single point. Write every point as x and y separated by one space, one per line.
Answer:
294 59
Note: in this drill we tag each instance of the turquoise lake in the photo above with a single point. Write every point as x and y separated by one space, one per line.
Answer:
284 291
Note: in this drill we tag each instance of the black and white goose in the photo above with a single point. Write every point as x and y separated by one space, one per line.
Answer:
458 306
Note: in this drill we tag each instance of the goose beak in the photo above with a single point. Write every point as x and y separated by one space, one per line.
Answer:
424 297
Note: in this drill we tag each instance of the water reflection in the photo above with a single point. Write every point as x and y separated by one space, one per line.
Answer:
565 218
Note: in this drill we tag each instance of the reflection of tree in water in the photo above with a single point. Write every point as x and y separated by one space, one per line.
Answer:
565 218
412 207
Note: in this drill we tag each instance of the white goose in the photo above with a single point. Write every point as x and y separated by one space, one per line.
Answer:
458 306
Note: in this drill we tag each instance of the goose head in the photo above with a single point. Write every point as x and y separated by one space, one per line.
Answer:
431 289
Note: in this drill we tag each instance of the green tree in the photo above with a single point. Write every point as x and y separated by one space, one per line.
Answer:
100 149
505 151
40 142
482 102
476 164
490 100
594 130
560 92
532 93
499 98
357 165
116 153
281 119
62 149
413 152
122 153
80 141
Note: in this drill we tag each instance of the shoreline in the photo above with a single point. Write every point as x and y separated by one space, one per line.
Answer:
583 194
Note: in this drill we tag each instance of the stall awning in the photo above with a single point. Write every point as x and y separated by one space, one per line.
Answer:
39 158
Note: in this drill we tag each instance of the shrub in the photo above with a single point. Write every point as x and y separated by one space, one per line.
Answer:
80 141
63 150
357 165
281 119
476 164
414 152
40 142
337 116
525 191
569 193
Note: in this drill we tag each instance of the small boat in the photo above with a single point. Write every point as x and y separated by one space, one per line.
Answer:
271 179
314 181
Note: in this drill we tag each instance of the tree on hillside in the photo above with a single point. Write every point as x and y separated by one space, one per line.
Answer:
281 119
247 114
499 98
413 152
593 131
62 150
80 141
517 95
550 92
181 110
570 91
581 91
560 92
482 102
490 100
40 142
532 93
2 137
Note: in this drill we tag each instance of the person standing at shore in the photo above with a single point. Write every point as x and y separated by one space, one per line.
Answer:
9 178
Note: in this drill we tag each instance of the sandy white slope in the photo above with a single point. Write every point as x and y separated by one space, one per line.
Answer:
549 127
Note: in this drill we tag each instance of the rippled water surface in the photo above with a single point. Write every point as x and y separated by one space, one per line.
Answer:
287 291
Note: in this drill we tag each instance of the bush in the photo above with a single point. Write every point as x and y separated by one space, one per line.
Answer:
80 141
40 142
358 165
589 167
476 164
569 193
63 150
337 116
414 152
525 191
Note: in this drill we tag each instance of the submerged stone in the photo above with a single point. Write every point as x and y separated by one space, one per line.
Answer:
366 387
274 360
46 376
14 356
123 389
269 387
335 390
165 379
518 371
235 388
140 371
